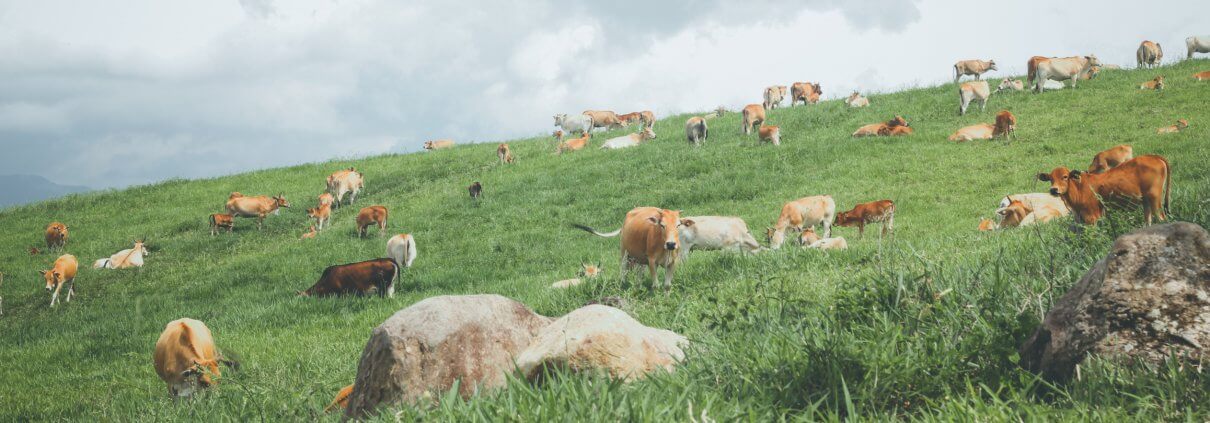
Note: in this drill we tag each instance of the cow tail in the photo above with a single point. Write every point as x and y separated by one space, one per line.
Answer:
1167 184
594 231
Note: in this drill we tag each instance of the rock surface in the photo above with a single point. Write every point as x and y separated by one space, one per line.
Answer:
600 337
1148 299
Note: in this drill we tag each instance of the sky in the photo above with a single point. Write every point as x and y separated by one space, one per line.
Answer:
113 94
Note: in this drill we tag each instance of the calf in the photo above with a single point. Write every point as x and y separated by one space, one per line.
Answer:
753 117
972 67
802 213
982 131
881 211
855 100
774 96
362 278
1202 76
770 134
1146 178
504 153
326 198
186 358
438 144
476 190
321 213
1149 54
696 131
883 129
987 225
130 257
1006 125
56 236
369 216
310 234
402 250
717 233
970 91
1154 84
808 237
806 92
837 243
1010 84
574 144
220 221
345 181
1197 44
603 119
63 272
1181 124
1018 213
651 235
1110 158
258 207
630 140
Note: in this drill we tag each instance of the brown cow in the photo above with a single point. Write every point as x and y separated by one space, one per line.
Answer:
882 211
186 358
321 213
987 225
1181 124
369 216
345 181
1202 76
800 214
629 118
504 153
56 236
1146 178
260 206
884 128
361 278
754 116
651 235
476 190
1154 84
805 92
604 119
647 117
770 133
220 221
1006 125
63 272
1149 54
341 401
309 234
1111 158
696 130
574 144
1013 215
972 67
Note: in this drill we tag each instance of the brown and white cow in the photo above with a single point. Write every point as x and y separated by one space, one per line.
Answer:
650 235
603 119
1067 68
1006 125
982 131
345 181
630 118
806 92
220 221
770 133
369 216
888 128
1154 84
971 91
1111 158
855 100
63 272
574 144
375 276
258 207
1146 178
504 153
186 358
125 259
1202 76
1019 213
326 198
696 130
800 214
881 211
1180 125
773 96
973 67
808 237
438 144
1149 54
753 117
56 236
321 213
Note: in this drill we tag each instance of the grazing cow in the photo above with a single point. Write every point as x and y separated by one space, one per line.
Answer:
1202 76
648 118
574 144
651 235
438 144
630 140
972 67
1154 84
1006 125
310 233
341 401
1067 68
970 91
570 124
361 278
130 257
982 131
402 249
802 213
603 119
808 237
258 207
187 359
805 92
1146 178
1010 84
504 153
837 243
1197 44
62 273
754 116
770 133
696 131
884 128
1181 124
881 211
321 213
345 181
369 216
476 190
1111 158
774 96
1149 54
855 100
629 118
220 221
717 233
56 236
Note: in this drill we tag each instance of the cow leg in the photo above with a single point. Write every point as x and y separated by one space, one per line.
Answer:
861 230
54 298
651 269
983 105
668 271
260 221
71 290
622 269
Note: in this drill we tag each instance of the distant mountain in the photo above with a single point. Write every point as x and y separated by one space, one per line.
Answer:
23 189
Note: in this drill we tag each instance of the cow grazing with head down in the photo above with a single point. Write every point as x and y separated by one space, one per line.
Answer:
1149 54
881 211
345 181
1180 125
369 216
130 257
770 133
220 221
504 153
973 67
1006 125
574 123
402 250
1111 158
1067 68
650 235
629 118
476 190
753 117
1154 84
56 236
1146 178
62 273
800 214
971 91
774 96
362 278
186 358
806 92
696 131
717 233
258 207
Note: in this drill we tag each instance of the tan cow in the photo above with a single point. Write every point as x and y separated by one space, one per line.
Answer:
1010 84
1181 124
806 92
770 133
837 243
1146 178
630 140
982 131
649 235
574 144
321 213
802 213
125 259
971 91
62 273
774 96
345 181
1202 76
603 119
1067 68
808 237
438 144
402 250
1006 125
1032 67
754 116
258 207
1154 84
1149 54
855 100
56 236
896 126
326 198
1111 158
972 67
1020 213
648 118
219 221
504 153
187 359
369 216
696 130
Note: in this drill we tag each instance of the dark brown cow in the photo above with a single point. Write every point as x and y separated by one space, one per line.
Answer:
1006 125
872 212
361 278
369 216
1146 178
476 189
56 236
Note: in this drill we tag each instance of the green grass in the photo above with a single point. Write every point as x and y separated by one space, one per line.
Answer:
790 334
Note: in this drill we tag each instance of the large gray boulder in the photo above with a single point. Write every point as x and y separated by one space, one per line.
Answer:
1148 299
421 351
602 338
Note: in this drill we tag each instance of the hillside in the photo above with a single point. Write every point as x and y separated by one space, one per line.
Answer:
791 334
22 189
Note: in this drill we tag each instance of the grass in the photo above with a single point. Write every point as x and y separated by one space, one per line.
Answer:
924 327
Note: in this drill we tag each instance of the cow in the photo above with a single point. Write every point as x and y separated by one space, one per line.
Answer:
1037 201
1154 84
629 118
1068 68
754 116
1019 214
972 67
1032 67
1149 54
881 211
369 216
345 181
808 237
603 119
1180 125
770 133
717 113
56 236
630 140
504 153
805 92
186 358
130 257
321 213
1146 178
438 144
1010 84
1111 158
375 276
970 91
258 207
587 271
648 118
1197 44
402 249
1006 125
802 213
773 96
558 134
570 124
696 130
310 234
837 243
982 131
341 401
650 235
882 128
476 190
855 100
717 233
63 272
1202 76
574 144
219 221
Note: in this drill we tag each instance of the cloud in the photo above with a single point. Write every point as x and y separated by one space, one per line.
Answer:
259 9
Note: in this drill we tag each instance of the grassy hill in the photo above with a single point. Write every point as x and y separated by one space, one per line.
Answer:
925 326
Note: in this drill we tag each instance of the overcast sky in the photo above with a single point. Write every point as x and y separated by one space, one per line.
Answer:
114 93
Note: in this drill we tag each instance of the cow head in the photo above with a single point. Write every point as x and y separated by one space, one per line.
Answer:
897 121
559 118
1059 179
590 270
846 218
991 65
647 134
280 201
808 237
1005 84
1014 214
1159 82
52 278
987 225
1092 60
1182 124
428 145
670 222
818 88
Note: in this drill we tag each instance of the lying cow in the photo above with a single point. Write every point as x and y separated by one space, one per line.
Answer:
63 272
1180 125
1146 178
370 216
1154 84
837 243
881 211
130 257
855 100
717 233
574 144
570 124
221 221
345 181
630 140
1111 158
1068 68
805 92
982 131
1197 45
972 67
770 133
753 117
888 128
971 91
375 276
650 235
56 236
603 119
438 144
696 131
187 359
310 233
1149 54
1202 76
802 213
774 96
1019 214
1037 200
1010 84
258 207
504 153
808 237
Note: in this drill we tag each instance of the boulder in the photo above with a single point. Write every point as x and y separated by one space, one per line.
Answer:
599 337
1148 299
421 351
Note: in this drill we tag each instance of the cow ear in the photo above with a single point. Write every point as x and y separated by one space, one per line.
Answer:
1002 212
653 220
1075 175
42 272
1043 177
687 222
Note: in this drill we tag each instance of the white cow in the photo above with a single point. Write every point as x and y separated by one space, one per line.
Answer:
130 257
837 243
1063 69
1197 44
631 140
402 249
970 91
581 123
1045 207
717 233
